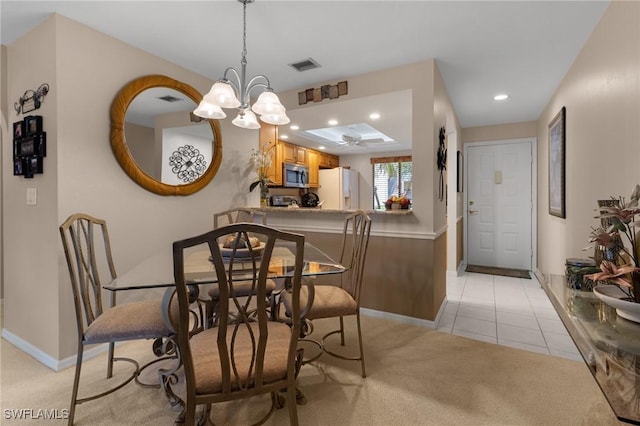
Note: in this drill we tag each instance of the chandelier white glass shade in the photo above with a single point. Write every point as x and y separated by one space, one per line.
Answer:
247 120
226 93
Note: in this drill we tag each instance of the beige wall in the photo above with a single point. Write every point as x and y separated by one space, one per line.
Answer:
527 129
4 138
81 174
601 93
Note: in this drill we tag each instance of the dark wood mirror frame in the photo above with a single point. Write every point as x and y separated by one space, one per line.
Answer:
119 143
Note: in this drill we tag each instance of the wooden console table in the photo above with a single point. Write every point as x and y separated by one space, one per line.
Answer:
610 345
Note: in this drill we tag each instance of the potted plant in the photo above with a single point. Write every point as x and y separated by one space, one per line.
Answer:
261 162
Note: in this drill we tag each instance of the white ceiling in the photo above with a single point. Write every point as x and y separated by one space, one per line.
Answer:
523 48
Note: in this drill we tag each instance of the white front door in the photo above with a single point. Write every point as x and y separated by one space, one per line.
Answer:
499 205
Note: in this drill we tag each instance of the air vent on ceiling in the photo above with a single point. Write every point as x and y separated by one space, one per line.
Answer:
305 65
169 98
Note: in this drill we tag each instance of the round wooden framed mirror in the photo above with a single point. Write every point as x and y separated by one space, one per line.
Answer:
157 140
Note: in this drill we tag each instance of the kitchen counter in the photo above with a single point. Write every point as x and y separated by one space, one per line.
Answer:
401 212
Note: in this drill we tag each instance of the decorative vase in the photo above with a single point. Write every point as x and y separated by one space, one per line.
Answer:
613 296
264 195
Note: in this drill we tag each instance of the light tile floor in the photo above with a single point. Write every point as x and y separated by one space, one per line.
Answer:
506 311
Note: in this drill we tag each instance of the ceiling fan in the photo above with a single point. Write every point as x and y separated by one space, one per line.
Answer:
353 139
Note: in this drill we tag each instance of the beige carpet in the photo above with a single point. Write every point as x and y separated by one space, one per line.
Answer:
417 376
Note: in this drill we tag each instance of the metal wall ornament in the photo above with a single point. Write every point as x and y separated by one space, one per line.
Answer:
441 161
31 100
187 163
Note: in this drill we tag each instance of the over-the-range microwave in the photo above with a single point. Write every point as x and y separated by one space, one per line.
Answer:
295 176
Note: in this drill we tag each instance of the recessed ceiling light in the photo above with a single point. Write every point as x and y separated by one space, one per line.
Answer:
322 147
374 116
500 97
284 136
294 127
333 122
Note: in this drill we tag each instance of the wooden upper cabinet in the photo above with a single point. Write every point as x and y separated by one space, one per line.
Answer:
313 157
328 161
289 153
294 154
269 138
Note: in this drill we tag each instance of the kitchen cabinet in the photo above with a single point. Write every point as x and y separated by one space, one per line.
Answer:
289 153
268 137
328 161
313 157
294 154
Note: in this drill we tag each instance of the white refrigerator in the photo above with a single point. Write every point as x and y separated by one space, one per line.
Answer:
338 189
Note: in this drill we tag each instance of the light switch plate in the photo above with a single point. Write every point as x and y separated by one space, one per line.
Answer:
32 196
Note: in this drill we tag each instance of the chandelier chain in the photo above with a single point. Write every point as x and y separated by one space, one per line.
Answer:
244 30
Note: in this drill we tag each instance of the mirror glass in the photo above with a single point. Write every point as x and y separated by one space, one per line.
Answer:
158 142
163 141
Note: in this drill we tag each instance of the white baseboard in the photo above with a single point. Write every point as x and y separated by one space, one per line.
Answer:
45 358
454 274
400 318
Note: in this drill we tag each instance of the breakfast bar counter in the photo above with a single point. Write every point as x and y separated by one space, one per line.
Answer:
298 210
405 265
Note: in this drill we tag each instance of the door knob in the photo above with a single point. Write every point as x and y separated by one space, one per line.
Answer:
472 211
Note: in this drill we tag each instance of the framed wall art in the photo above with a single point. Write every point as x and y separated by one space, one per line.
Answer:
557 161
460 177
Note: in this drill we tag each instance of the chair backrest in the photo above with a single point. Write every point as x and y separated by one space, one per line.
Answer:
85 240
242 322
353 253
238 215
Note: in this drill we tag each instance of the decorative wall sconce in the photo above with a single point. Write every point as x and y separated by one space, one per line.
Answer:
31 99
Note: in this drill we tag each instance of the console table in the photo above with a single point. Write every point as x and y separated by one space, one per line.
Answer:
610 345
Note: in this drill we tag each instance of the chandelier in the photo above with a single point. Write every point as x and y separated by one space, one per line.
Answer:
226 93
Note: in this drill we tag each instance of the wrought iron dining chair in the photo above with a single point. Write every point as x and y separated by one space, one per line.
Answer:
228 217
239 214
338 299
247 353
87 250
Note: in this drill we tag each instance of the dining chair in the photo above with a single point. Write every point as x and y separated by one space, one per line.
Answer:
87 250
247 353
239 214
228 217
339 299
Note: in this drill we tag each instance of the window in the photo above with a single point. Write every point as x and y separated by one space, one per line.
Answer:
391 176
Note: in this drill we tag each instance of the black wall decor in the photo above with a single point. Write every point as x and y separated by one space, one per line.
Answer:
29 146
31 100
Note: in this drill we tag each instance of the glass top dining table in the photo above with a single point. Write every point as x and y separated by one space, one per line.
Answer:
156 271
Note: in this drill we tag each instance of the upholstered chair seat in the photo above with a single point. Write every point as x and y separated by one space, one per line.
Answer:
115 324
328 302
